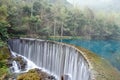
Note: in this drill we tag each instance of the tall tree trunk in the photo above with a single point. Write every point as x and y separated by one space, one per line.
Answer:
54 28
31 8
61 30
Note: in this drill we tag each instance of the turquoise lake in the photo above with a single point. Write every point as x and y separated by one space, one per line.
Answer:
108 49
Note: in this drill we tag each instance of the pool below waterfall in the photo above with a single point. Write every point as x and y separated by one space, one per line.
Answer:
108 49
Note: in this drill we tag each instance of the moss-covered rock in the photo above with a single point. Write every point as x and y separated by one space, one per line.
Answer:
35 74
4 53
4 56
21 61
29 76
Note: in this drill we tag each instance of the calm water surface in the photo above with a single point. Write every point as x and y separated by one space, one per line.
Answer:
108 49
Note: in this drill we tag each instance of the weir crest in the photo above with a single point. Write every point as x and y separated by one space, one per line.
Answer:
58 58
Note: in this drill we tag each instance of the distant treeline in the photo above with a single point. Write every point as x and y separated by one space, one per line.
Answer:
49 18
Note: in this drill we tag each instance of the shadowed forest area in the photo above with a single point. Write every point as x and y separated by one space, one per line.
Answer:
34 18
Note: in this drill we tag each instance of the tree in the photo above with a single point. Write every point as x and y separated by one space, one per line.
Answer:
3 23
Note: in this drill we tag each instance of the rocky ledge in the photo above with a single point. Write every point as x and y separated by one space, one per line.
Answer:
35 74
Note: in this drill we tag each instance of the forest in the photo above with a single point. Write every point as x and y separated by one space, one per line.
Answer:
36 18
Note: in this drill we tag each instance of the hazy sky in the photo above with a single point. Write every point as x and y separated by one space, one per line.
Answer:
91 2
107 5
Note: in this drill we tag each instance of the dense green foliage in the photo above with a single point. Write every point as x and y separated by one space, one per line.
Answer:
55 18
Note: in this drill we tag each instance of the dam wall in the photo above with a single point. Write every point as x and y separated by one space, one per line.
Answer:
58 59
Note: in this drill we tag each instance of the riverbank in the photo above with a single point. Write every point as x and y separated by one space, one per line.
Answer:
79 37
64 37
56 38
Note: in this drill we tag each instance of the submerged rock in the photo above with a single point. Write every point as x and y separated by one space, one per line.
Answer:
65 77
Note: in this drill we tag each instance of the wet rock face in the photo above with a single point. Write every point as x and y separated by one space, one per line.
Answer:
65 77
21 62
35 74
17 63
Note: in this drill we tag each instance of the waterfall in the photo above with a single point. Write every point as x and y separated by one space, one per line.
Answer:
15 67
56 58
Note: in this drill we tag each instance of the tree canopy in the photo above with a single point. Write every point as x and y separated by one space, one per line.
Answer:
48 18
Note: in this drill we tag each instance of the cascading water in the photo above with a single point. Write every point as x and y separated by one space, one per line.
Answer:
56 58
15 67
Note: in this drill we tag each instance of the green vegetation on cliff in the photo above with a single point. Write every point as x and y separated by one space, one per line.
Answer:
30 75
4 56
35 74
